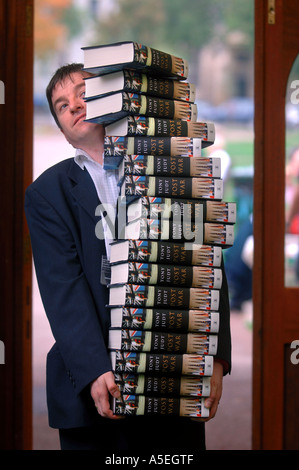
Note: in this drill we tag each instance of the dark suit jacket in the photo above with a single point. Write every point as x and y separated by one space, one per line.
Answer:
60 210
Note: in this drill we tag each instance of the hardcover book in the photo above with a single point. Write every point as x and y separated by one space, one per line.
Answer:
143 405
189 232
109 108
156 319
172 186
160 127
138 295
171 146
155 165
165 252
162 342
134 81
153 385
107 58
163 274
160 364
180 209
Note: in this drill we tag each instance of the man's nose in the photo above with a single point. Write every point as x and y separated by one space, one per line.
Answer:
76 104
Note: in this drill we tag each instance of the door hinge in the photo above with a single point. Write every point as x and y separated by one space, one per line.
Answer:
271 11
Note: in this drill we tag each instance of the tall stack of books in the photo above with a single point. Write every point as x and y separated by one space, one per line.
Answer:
166 262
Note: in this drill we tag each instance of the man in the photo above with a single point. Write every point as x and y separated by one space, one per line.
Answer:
60 209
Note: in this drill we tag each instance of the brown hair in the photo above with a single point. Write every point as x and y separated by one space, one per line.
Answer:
59 76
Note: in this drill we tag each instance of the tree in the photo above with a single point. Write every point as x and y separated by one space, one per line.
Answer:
55 22
180 27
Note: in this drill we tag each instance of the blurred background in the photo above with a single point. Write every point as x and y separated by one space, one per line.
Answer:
217 39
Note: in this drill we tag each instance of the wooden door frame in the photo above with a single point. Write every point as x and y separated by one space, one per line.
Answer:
16 124
275 52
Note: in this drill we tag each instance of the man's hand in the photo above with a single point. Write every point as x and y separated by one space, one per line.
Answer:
213 400
100 390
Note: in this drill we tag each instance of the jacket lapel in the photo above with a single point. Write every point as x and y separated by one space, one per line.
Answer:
84 190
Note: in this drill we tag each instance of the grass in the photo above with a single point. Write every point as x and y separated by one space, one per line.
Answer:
241 152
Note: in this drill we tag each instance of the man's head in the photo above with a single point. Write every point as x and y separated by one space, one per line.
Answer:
65 94
60 75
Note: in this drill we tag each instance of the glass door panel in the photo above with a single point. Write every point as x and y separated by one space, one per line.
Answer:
292 178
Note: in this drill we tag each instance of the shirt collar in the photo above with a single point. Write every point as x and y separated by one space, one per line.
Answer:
82 157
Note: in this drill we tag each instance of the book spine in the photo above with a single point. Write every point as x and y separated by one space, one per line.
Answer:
170 166
221 235
135 103
136 82
156 319
137 295
143 405
206 188
160 61
159 364
192 209
172 252
171 146
141 125
172 275
162 342
152 385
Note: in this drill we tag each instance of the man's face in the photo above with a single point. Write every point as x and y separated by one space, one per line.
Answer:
70 108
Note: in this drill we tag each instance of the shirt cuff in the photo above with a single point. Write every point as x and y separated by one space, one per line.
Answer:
225 365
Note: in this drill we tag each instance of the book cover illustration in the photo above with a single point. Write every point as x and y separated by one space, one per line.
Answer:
160 364
143 405
164 385
177 320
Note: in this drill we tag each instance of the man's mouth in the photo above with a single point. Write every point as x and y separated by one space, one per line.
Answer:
81 117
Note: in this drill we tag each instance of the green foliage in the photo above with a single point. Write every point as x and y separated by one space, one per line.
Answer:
241 151
177 26
141 21
239 15
74 18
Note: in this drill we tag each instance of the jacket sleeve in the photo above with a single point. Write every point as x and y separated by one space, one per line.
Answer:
65 293
224 336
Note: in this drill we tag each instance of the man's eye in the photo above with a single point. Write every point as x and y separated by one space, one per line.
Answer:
82 93
62 107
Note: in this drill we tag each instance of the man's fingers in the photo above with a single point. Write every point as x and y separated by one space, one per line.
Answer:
111 385
101 389
212 401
